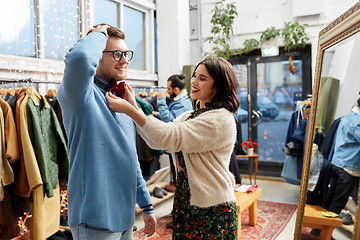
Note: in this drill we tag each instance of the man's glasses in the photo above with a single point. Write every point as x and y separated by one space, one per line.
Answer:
117 54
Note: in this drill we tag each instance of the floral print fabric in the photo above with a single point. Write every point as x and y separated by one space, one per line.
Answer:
192 222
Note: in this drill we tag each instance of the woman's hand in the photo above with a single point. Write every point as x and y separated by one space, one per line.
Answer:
117 104
126 105
130 95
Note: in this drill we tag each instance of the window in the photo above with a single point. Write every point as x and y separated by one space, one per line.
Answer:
106 11
135 36
17 28
60 27
35 35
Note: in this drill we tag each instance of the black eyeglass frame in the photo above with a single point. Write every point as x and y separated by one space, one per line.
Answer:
122 54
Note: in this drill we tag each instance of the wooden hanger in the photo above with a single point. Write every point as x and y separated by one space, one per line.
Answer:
51 93
306 103
11 91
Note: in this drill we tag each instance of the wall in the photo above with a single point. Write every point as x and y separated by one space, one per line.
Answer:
254 17
173 37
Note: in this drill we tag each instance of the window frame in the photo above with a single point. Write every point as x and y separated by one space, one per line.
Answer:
148 8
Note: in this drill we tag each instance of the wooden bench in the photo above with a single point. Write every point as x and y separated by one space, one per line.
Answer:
313 218
247 201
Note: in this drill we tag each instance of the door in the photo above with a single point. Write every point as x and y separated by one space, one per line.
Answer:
268 93
277 92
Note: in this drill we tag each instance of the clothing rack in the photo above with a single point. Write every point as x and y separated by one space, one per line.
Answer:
28 80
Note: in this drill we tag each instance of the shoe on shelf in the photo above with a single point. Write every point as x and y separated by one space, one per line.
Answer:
346 217
164 191
170 187
157 192
315 232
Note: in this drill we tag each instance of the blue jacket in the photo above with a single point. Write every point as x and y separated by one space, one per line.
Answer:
105 179
347 142
178 106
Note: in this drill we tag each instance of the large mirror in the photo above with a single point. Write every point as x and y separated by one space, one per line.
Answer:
335 93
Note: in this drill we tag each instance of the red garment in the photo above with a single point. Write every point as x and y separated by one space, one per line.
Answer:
252 189
118 89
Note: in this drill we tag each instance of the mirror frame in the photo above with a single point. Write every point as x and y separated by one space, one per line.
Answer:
343 27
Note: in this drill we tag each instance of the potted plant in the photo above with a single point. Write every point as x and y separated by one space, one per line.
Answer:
249 146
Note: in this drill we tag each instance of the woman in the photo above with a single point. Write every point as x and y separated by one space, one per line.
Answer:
201 142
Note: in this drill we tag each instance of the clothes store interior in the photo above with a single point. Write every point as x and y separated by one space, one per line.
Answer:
308 129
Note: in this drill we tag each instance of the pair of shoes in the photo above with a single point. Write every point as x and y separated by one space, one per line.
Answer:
163 190
346 217
315 232
159 192
170 187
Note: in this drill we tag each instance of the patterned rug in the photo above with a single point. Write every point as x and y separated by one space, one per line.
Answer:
272 219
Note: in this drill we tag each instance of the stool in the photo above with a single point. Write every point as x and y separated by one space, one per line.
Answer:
247 201
314 219
251 158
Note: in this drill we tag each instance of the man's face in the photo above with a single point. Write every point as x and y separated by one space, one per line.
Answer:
108 68
170 90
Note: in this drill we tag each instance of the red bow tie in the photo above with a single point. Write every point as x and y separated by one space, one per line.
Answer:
118 89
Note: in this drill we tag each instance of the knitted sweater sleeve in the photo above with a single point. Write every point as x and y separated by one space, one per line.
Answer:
209 131
81 63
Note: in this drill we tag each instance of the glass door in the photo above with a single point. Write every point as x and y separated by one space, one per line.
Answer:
268 93
241 73
277 92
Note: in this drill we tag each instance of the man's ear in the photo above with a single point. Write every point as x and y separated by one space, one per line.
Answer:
176 90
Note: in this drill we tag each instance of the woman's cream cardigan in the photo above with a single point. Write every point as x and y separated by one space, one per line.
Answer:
207 142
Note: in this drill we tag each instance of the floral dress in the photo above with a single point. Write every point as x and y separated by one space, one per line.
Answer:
192 222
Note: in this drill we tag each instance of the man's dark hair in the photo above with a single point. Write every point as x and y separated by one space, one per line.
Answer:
177 80
111 31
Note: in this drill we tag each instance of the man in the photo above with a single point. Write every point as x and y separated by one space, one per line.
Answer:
180 103
105 179
345 163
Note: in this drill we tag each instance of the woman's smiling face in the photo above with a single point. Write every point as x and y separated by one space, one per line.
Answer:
202 86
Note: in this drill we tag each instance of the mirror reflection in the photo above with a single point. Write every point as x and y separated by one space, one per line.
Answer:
335 159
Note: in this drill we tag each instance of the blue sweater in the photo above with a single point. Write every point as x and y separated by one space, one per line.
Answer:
175 108
105 179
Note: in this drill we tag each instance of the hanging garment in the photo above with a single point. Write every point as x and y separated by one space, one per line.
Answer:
52 100
315 167
45 211
327 102
7 174
295 137
326 146
12 152
290 170
48 142
22 187
319 195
